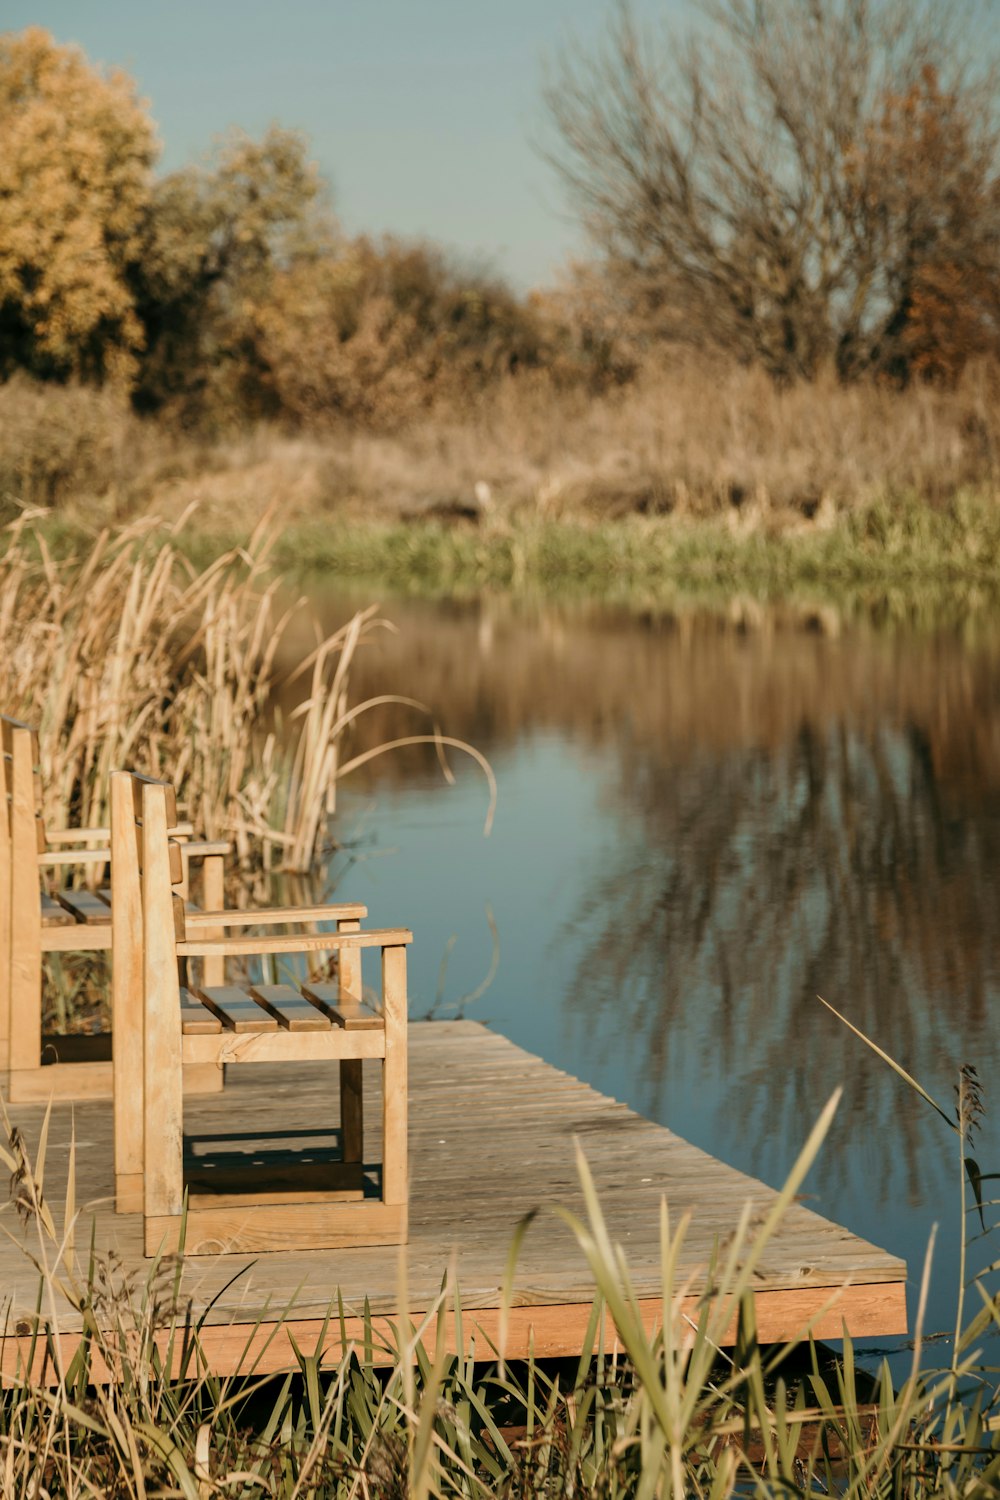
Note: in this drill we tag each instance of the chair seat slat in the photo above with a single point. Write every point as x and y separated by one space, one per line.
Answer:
292 1011
237 1010
352 1015
86 906
54 915
196 1019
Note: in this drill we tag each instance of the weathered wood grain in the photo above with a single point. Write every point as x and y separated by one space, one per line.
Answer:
492 1135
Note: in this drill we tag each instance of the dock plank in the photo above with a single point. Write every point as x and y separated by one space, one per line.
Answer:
493 1133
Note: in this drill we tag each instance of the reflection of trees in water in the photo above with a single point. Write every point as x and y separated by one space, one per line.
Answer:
748 881
490 672
808 804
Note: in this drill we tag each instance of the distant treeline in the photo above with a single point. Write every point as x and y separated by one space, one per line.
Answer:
226 287
820 193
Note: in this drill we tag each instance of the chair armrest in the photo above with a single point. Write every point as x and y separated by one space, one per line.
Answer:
272 915
76 835
202 850
84 835
295 942
75 857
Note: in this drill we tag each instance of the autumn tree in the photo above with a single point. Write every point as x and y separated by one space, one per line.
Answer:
214 236
795 183
75 181
377 330
224 291
937 225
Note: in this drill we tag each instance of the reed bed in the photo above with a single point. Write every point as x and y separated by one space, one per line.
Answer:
691 438
131 655
134 1410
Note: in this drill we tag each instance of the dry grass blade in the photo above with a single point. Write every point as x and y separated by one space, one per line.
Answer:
437 740
893 1064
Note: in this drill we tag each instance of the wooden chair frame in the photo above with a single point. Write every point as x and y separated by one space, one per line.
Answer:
161 1025
32 923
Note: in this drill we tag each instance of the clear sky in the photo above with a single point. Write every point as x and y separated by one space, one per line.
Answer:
421 113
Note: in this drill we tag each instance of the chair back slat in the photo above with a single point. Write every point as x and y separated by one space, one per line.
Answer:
23 775
22 984
162 915
6 788
147 878
147 916
159 860
139 781
126 976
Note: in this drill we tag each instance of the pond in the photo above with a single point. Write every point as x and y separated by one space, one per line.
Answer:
705 820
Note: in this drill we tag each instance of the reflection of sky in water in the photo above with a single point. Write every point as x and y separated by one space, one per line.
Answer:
564 846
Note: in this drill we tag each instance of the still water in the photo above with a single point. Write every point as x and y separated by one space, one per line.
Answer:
705 821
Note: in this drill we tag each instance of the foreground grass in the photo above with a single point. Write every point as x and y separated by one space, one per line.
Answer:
666 1412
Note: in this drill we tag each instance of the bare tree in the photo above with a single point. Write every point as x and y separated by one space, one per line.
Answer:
797 182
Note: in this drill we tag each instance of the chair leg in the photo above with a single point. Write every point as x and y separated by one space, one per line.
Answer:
352 1122
163 1181
394 1084
162 1086
25 1010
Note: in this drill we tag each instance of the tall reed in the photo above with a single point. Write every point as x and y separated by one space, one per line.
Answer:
130 655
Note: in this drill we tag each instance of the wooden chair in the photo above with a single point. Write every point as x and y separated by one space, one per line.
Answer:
297 1204
33 923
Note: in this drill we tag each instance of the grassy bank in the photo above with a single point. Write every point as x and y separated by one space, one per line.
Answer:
896 542
693 479
688 441
895 546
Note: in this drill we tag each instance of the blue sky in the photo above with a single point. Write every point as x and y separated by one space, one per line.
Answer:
421 113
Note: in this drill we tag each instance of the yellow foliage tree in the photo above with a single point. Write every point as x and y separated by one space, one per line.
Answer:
75 183
215 235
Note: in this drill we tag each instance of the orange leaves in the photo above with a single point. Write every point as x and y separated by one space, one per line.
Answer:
939 218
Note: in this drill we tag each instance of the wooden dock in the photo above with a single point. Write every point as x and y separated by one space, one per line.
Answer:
492 1132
